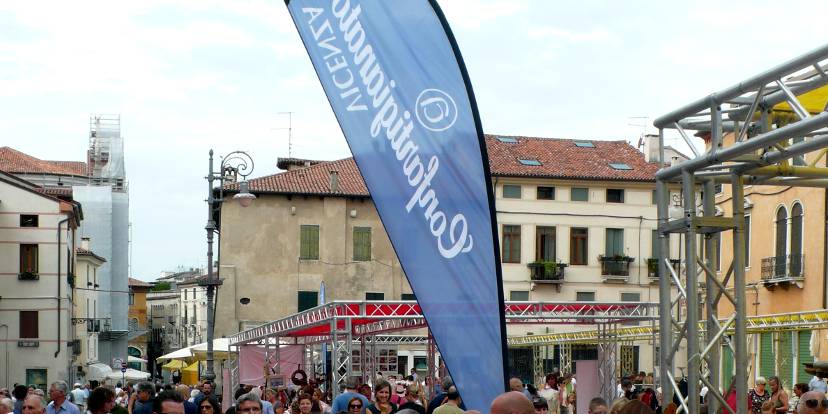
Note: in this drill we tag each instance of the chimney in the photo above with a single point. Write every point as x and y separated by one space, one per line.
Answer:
334 181
85 243
651 148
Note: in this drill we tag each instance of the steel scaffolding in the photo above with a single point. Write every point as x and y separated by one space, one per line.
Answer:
762 145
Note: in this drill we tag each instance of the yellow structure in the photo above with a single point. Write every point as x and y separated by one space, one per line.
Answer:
138 323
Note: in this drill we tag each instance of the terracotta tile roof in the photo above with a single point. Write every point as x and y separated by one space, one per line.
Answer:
56 191
14 161
561 158
312 180
138 283
84 252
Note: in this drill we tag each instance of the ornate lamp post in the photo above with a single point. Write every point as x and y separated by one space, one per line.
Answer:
235 164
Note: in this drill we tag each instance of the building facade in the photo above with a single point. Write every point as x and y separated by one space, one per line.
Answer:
85 317
192 299
576 221
138 331
37 257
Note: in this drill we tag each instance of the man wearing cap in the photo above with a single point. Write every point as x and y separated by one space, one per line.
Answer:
340 403
412 395
79 397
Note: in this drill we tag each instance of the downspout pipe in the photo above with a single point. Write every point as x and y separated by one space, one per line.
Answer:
60 223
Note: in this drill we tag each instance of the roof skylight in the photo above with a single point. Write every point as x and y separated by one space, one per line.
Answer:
620 166
584 144
507 140
530 162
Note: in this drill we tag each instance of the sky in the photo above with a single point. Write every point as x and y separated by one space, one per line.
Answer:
188 76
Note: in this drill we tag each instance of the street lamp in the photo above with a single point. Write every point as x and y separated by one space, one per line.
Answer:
235 164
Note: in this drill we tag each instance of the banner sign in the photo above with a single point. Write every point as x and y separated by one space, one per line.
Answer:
398 86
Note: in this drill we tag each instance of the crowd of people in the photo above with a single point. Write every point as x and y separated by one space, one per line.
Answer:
557 395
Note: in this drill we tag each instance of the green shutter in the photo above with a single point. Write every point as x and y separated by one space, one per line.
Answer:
309 242
786 356
615 242
766 355
804 348
727 367
362 243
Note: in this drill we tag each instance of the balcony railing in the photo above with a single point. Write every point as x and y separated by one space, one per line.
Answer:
653 269
547 272
615 267
783 268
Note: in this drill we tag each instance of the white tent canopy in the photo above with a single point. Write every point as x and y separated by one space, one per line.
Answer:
183 353
219 345
130 374
97 371
136 359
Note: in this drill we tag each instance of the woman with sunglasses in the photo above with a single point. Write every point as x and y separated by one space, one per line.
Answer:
382 399
209 405
354 406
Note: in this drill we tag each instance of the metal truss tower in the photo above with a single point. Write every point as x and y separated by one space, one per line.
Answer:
758 155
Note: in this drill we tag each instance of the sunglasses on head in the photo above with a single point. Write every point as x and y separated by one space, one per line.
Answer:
813 403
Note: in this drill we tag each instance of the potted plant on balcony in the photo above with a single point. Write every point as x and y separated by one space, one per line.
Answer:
652 267
615 265
28 276
546 269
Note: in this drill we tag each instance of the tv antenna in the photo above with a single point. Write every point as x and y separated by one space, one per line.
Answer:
641 122
289 130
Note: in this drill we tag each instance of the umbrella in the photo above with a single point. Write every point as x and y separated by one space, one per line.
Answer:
189 375
174 365
136 359
183 353
221 348
98 372
130 374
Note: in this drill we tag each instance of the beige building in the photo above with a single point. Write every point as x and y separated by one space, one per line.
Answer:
36 232
785 272
192 300
86 319
587 205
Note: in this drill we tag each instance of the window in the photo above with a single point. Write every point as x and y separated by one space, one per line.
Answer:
799 160
28 258
585 296
309 242
307 300
374 296
545 244
362 244
131 299
614 243
656 244
620 166
781 236
796 240
578 246
719 188
584 144
511 191
185 293
511 244
36 377
408 296
747 240
615 195
546 193
529 162
655 198
522 295
579 194
28 324
28 220
507 140
717 238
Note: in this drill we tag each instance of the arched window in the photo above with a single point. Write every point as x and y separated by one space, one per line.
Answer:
781 242
796 240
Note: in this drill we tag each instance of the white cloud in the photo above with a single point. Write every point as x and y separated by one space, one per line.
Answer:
557 33
470 14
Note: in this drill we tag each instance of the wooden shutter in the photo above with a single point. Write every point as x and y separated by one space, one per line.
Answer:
766 355
804 348
28 324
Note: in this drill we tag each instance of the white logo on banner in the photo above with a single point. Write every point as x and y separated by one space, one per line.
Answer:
436 110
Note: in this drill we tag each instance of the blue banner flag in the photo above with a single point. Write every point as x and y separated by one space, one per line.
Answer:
394 76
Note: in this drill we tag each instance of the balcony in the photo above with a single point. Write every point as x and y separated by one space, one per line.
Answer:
654 271
615 268
544 272
783 271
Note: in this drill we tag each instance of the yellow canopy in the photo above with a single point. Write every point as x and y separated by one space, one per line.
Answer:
174 365
814 101
189 375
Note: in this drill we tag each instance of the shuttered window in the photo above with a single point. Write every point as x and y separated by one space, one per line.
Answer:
28 258
804 348
362 244
766 355
545 244
615 242
578 246
28 324
309 242
511 244
786 356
